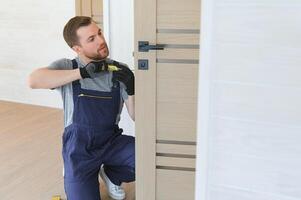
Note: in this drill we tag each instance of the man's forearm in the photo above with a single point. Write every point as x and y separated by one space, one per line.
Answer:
44 78
130 105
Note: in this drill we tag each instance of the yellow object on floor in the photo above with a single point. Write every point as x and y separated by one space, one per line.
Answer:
56 198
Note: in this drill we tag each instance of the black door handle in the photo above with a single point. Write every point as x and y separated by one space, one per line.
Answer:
143 46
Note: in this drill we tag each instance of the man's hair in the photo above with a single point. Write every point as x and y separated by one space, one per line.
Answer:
71 28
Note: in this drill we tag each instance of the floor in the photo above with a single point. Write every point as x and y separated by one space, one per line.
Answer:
30 153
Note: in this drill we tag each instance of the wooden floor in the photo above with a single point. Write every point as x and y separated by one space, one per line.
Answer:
30 153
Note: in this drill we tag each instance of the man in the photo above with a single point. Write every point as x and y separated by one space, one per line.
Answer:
93 98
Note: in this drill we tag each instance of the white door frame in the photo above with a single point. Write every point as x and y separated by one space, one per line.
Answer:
204 104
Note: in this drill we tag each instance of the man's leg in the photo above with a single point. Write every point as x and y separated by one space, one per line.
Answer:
119 162
81 169
83 190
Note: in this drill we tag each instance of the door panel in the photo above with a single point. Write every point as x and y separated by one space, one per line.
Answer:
175 162
166 98
174 185
175 149
171 127
90 8
178 14
176 53
177 83
97 11
182 38
176 101
145 101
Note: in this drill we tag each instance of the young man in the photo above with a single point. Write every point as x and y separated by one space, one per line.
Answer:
93 98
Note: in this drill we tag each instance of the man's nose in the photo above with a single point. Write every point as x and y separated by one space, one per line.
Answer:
100 39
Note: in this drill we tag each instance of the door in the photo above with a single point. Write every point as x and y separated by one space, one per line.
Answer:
90 8
166 97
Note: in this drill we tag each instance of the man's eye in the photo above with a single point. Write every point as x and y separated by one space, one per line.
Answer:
91 40
99 33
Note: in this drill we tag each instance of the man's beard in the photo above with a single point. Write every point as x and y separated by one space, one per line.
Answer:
98 56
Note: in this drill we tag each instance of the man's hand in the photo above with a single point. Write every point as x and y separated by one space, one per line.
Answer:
126 76
92 68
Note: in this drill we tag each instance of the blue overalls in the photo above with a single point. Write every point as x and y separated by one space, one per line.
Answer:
94 139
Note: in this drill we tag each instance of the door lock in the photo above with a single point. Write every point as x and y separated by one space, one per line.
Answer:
143 64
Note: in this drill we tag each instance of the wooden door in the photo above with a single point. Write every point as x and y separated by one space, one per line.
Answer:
90 8
166 98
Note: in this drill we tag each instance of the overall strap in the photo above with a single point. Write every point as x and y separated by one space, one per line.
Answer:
75 66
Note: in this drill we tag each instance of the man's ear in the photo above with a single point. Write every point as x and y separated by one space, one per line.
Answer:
77 49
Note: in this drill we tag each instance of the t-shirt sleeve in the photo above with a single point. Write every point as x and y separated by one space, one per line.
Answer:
61 64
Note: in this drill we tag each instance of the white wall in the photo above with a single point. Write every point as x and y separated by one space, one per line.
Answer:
31 37
120 35
121 27
254 135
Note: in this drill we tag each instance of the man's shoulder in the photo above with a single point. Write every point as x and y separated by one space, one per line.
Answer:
62 63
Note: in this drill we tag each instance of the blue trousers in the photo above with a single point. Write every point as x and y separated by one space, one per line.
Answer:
83 157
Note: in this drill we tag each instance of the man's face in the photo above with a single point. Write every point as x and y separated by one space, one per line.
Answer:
92 43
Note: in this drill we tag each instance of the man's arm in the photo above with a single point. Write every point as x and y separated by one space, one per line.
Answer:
48 78
130 106
44 78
